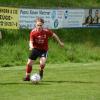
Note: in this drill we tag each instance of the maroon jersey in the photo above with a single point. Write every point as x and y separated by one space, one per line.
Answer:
40 38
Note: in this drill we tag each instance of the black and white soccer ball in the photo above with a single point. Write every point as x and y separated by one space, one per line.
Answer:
35 78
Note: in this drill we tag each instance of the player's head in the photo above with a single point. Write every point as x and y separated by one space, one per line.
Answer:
96 12
39 23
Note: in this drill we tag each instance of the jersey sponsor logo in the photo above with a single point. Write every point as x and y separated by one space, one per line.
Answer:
40 39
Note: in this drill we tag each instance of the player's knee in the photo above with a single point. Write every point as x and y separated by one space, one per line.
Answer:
30 62
42 66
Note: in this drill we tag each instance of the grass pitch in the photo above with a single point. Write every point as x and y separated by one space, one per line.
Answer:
68 81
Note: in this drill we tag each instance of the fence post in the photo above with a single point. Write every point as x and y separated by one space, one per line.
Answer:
0 35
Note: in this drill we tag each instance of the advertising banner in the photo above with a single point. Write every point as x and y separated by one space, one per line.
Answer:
91 18
73 18
9 18
14 18
53 18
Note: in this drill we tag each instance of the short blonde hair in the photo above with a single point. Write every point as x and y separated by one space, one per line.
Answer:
39 20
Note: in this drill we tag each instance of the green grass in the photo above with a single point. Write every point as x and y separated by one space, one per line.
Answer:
68 81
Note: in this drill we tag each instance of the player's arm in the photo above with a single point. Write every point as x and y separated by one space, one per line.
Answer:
31 45
58 39
31 41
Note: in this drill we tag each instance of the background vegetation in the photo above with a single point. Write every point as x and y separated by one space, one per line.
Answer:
81 45
52 3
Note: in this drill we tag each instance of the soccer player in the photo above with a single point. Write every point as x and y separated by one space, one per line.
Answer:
39 47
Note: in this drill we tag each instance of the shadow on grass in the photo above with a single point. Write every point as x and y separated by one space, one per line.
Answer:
47 82
87 82
7 65
23 83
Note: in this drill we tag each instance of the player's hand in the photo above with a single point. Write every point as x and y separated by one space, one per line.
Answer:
61 44
30 49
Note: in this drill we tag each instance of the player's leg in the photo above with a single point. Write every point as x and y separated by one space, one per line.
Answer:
28 69
32 57
42 66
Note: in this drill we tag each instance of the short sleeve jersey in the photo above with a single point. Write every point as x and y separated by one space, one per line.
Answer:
40 38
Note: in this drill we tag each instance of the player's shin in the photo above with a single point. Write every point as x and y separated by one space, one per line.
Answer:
28 72
41 71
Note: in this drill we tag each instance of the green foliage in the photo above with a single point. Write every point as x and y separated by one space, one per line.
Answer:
81 45
13 47
51 3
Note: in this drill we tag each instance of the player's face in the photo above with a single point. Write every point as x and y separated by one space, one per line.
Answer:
39 25
97 14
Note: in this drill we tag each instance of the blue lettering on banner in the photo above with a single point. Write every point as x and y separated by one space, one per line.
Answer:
53 14
66 14
33 12
24 12
56 23
44 12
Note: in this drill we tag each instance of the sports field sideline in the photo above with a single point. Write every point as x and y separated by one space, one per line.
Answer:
68 81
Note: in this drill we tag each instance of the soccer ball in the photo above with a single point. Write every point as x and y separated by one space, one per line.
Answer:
35 78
